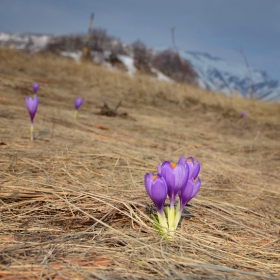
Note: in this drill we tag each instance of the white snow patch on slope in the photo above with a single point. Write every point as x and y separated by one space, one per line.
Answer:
75 55
129 63
161 76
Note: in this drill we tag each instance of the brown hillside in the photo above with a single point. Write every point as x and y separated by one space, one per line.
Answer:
73 203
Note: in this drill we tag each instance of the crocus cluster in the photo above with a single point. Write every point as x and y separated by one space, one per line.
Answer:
78 102
172 180
31 105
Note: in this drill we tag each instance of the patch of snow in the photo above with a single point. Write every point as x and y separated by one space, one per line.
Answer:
39 42
161 76
75 55
129 63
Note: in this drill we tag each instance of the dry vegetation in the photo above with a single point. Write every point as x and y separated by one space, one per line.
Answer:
73 204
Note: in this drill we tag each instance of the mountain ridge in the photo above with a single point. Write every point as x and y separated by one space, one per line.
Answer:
213 73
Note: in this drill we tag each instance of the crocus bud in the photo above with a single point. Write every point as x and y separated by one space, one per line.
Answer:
78 102
35 87
156 188
31 105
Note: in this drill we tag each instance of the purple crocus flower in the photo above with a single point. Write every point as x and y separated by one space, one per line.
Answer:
193 185
242 114
31 105
176 176
156 188
78 102
194 168
188 192
35 87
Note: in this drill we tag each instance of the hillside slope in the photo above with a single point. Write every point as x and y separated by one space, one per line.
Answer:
73 204
208 72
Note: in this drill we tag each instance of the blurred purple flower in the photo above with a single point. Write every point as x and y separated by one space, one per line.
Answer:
35 87
176 177
156 188
31 105
78 102
242 114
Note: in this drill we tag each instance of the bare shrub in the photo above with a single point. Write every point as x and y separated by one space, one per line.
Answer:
142 57
171 64
100 41
68 43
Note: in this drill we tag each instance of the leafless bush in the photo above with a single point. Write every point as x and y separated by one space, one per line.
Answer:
100 41
171 64
68 43
142 58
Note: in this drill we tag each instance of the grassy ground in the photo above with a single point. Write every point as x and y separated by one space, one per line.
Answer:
73 204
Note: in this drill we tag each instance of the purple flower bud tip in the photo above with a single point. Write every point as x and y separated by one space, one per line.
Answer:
35 87
242 115
31 105
78 102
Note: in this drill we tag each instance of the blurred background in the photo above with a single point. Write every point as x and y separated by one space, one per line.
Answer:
231 45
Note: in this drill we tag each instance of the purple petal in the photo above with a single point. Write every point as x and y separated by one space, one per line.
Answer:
169 176
181 172
148 183
31 105
182 160
190 159
159 168
159 193
195 170
186 194
78 102
196 187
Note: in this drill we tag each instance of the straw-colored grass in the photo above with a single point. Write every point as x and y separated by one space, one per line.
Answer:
73 204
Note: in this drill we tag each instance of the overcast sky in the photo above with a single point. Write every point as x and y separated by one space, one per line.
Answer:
214 26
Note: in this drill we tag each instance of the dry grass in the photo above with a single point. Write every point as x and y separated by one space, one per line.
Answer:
73 204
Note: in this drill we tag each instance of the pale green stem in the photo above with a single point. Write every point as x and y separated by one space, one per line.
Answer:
177 216
162 221
32 132
177 219
76 114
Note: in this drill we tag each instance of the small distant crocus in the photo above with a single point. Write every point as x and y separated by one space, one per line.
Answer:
242 115
35 87
78 102
31 105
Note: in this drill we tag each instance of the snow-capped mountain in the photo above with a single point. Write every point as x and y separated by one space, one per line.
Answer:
214 73
217 74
